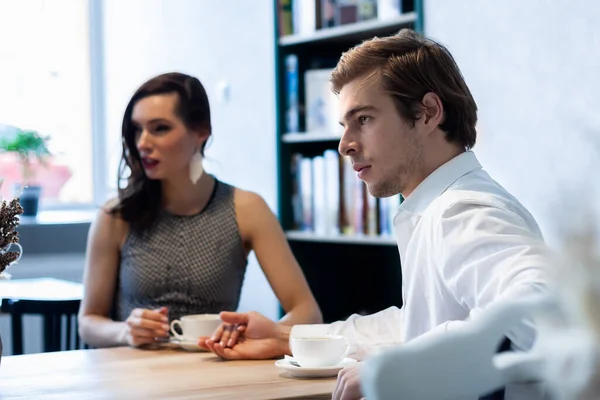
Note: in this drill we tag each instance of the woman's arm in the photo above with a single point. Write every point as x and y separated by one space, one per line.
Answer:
262 232
99 280
96 328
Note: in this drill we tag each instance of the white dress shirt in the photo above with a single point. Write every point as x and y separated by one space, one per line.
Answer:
464 243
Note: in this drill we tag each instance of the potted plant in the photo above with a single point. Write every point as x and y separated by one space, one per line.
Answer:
10 249
29 146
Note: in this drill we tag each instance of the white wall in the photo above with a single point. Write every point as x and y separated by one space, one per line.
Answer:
218 41
534 69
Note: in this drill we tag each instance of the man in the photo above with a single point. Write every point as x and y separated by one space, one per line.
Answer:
409 125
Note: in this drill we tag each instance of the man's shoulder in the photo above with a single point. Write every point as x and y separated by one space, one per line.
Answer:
479 191
452 198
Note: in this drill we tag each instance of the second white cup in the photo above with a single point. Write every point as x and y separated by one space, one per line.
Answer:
322 351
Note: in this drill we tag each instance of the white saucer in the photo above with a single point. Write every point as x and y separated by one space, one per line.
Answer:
314 372
188 345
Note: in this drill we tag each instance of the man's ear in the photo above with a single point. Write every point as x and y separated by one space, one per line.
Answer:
432 110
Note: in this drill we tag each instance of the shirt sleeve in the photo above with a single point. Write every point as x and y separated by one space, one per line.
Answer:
487 253
367 334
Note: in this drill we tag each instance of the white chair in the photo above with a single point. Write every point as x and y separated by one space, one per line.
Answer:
464 363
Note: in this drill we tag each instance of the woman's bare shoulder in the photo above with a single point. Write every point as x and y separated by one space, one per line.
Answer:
109 219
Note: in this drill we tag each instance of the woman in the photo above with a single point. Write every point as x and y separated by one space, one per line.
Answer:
176 240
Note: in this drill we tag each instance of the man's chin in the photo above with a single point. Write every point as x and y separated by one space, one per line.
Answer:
376 190
380 191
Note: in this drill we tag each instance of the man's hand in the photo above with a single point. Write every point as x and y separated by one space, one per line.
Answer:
348 384
259 338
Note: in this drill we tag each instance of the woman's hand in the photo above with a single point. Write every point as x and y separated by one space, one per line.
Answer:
227 334
146 326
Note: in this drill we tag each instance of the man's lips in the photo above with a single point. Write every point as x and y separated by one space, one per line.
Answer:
361 170
360 167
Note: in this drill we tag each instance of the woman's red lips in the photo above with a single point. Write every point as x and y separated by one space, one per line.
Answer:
149 163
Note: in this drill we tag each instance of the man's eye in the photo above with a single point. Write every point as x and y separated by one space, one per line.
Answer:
363 120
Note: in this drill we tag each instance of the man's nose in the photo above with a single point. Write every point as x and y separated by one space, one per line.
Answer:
347 145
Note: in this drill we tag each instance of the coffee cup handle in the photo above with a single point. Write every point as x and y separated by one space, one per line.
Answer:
173 331
347 348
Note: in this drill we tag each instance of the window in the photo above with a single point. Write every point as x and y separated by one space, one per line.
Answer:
45 85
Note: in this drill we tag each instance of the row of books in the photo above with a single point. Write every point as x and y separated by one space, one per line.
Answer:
303 17
329 199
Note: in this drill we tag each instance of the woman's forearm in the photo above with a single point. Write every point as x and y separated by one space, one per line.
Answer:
100 331
303 313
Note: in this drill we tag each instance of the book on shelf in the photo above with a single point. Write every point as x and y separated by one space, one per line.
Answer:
285 17
388 9
352 11
304 17
321 104
292 112
328 199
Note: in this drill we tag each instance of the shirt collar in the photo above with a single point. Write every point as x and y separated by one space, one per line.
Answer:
438 181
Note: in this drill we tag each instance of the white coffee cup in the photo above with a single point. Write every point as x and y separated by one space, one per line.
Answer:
319 351
196 325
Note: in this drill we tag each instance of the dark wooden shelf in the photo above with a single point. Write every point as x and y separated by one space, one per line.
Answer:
342 239
357 30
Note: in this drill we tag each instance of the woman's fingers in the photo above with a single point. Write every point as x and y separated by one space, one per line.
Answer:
142 333
158 315
159 329
226 353
148 319
202 342
148 324
235 334
141 336
226 335
210 345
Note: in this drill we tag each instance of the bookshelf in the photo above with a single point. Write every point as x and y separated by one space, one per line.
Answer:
338 238
355 31
345 245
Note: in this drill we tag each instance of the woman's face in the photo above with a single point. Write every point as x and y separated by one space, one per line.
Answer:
165 144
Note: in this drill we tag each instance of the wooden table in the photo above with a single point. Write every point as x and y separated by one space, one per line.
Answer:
126 373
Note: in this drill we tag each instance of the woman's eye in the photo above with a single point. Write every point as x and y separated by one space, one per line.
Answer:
162 128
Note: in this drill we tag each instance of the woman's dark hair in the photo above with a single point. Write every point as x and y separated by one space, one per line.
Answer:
140 199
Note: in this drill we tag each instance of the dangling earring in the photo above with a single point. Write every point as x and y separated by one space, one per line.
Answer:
196 169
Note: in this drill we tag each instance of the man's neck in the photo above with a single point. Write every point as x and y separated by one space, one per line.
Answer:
438 156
